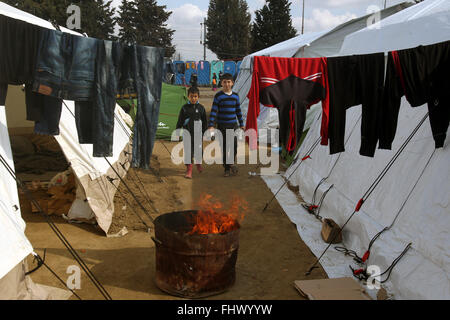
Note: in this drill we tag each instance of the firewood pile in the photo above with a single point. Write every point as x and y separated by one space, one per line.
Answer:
54 197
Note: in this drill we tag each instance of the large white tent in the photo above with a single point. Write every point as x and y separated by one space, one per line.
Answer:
413 197
310 45
95 193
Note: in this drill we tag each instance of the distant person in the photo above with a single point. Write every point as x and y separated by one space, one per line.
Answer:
192 118
194 80
214 82
226 111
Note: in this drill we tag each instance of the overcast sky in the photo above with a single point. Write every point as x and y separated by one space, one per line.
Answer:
319 15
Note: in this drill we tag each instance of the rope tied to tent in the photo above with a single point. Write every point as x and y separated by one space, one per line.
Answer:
362 274
372 241
140 187
372 188
308 153
111 180
126 153
129 190
57 232
350 253
41 262
312 207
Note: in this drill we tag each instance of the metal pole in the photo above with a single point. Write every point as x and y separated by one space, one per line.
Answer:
303 16
204 39
385 3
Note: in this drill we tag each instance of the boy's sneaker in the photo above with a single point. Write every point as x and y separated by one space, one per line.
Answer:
234 170
227 173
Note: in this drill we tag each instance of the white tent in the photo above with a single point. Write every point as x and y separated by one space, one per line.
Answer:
413 197
14 245
90 172
310 45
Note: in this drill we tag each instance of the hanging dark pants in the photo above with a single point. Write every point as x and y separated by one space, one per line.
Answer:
19 43
355 80
422 75
147 72
95 118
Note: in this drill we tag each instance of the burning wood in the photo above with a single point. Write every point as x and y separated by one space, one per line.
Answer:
213 218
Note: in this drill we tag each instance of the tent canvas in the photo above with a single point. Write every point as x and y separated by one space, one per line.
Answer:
90 173
238 67
412 197
172 99
316 44
14 245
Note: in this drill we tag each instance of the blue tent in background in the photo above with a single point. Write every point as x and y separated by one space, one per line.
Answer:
216 67
180 69
204 72
191 68
230 67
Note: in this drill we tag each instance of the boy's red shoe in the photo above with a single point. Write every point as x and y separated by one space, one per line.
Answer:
199 168
188 171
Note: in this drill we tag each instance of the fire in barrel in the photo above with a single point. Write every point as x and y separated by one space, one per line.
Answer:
196 250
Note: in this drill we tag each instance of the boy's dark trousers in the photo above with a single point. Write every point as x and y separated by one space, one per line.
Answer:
226 147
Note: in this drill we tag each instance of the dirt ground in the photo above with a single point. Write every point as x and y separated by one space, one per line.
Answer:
271 254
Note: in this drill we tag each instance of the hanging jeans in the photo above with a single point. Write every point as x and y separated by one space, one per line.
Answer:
95 118
91 72
123 68
146 78
19 43
65 67
44 110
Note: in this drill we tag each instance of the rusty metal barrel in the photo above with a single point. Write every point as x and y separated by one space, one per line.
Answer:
193 265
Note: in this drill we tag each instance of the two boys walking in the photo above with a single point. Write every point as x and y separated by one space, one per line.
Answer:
224 112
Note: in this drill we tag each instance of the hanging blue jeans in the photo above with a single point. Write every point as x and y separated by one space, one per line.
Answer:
147 74
65 66
92 72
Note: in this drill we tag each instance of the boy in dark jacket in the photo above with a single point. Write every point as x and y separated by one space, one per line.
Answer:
192 118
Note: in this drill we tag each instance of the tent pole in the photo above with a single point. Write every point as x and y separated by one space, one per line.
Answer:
303 17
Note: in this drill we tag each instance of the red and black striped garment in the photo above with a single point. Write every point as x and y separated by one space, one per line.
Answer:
291 85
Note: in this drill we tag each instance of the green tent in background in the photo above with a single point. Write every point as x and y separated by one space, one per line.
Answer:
172 99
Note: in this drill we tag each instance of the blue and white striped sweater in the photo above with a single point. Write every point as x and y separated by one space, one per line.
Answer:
226 108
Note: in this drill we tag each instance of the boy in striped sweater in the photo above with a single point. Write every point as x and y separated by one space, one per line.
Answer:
225 110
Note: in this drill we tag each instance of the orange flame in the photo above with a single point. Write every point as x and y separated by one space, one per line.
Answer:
213 218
